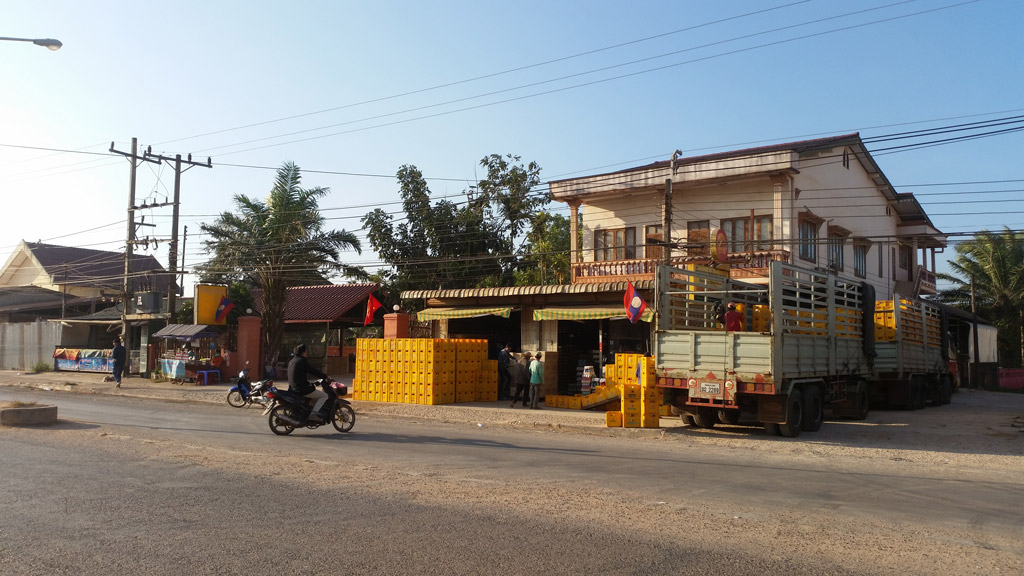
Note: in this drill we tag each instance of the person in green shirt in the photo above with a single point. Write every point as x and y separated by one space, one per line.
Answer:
536 379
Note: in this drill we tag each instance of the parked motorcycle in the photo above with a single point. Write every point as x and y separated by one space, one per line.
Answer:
245 392
288 410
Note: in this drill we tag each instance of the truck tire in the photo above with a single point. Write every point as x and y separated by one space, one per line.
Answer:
729 417
705 417
814 409
687 419
945 391
794 415
862 401
772 429
921 396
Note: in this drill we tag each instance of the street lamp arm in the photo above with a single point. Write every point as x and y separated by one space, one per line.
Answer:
45 42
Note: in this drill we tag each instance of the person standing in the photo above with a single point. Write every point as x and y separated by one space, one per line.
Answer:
733 319
298 370
536 379
119 355
504 379
521 378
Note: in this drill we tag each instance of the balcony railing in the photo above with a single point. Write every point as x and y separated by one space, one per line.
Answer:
926 281
744 265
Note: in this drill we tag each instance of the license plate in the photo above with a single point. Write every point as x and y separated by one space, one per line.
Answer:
710 388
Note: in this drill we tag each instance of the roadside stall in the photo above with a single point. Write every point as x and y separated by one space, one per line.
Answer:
190 352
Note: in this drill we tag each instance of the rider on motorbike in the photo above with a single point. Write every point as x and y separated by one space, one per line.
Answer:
298 368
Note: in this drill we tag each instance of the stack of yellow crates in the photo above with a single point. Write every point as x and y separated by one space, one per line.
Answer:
641 402
424 371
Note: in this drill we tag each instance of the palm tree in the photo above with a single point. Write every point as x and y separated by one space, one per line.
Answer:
274 244
995 263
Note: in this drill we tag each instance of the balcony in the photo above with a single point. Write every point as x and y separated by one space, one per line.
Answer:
744 266
926 282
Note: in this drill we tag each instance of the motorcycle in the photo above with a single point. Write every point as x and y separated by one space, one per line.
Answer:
288 410
244 392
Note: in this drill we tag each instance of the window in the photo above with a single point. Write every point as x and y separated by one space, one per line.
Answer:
615 244
860 259
738 231
653 242
698 238
905 257
836 243
808 237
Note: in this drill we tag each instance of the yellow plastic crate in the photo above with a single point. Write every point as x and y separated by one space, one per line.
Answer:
613 419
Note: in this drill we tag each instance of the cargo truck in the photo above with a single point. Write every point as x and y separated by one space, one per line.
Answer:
807 343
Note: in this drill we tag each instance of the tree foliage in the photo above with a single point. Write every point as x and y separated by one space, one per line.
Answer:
274 244
486 240
995 263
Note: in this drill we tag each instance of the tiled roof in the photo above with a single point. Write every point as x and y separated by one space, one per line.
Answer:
329 303
98 268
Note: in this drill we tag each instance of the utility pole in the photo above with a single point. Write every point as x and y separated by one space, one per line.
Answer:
973 371
181 276
666 225
172 252
126 293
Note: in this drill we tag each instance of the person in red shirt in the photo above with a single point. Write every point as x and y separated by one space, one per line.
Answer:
733 319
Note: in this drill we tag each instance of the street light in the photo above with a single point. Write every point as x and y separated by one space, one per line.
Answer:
47 42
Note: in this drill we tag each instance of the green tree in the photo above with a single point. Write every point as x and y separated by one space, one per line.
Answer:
509 197
546 252
275 244
995 263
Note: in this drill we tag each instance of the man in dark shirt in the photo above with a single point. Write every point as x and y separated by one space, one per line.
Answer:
504 377
119 356
298 370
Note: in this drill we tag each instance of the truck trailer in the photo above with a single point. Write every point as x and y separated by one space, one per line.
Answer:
807 343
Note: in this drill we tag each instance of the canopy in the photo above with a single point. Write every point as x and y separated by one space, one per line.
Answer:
442 313
590 313
186 332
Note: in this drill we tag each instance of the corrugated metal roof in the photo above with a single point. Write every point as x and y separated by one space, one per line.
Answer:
798 146
98 268
185 331
328 303
548 290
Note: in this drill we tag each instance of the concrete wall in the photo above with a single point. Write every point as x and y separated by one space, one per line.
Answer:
23 345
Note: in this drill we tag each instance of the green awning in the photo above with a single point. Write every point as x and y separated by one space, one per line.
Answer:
447 313
579 313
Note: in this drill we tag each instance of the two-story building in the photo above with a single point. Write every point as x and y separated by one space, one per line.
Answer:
821 203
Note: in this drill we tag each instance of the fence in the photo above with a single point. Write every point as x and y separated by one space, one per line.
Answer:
23 345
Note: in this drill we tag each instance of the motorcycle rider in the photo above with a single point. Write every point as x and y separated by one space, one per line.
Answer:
298 368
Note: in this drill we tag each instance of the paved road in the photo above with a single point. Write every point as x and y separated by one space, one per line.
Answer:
78 504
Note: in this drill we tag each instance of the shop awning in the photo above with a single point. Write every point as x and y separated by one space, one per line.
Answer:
186 332
447 313
590 313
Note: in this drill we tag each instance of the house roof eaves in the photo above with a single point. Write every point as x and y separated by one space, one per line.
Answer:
546 290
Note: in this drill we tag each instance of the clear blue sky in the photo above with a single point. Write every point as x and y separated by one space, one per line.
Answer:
219 78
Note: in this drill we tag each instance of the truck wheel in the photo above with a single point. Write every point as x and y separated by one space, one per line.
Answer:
814 409
921 398
862 401
772 429
705 417
945 391
687 419
729 417
794 415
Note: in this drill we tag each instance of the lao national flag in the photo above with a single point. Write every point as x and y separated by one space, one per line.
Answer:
223 308
634 303
371 306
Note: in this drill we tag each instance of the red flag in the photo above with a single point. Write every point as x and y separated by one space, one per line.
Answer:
223 308
371 306
634 303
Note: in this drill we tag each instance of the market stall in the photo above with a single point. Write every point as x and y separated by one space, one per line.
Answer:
190 352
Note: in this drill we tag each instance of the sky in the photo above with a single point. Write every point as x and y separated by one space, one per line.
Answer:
351 91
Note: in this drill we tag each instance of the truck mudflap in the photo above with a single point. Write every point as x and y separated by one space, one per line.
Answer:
772 409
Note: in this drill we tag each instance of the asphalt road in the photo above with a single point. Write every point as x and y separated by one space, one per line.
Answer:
87 497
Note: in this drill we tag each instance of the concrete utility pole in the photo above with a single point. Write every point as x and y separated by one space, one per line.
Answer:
172 252
126 293
666 225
